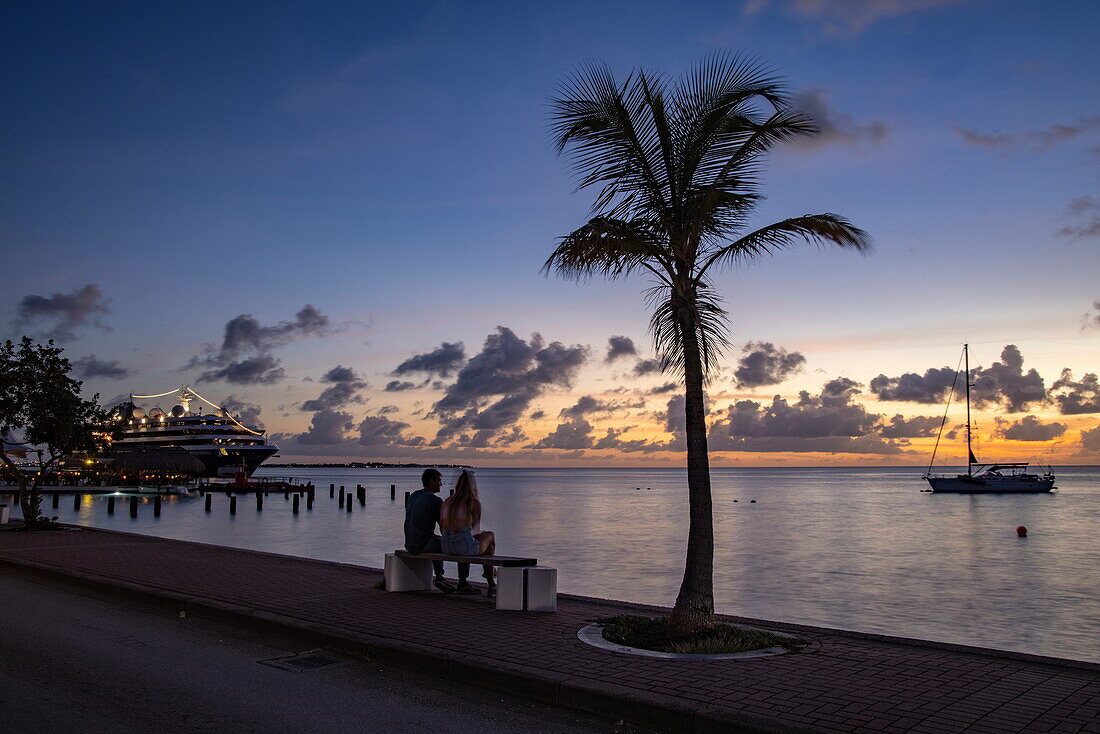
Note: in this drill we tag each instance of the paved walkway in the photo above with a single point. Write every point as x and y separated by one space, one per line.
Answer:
840 682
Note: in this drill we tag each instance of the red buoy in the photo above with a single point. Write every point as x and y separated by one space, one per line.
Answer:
1021 531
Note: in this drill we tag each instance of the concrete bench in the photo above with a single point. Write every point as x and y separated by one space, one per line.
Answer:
522 584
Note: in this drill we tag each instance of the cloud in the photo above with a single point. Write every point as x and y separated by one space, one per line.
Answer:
1090 439
245 335
674 418
1029 428
647 367
497 385
619 346
327 427
1086 210
263 369
247 413
920 426
762 364
587 405
1003 383
61 314
345 385
1091 319
381 432
91 366
1075 398
829 422
835 128
575 433
612 440
662 389
398 386
1041 139
845 17
929 388
442 361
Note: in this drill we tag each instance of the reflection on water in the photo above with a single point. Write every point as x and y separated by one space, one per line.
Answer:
852 548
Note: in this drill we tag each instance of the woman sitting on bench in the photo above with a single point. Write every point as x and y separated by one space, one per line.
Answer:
460 523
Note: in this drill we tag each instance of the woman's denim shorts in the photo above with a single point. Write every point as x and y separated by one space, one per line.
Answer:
460 542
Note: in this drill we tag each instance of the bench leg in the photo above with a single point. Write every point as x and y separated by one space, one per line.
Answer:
408 574
527 589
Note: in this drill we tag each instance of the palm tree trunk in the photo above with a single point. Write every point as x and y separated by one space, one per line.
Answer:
694 610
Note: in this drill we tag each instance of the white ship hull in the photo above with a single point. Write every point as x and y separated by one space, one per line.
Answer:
962 484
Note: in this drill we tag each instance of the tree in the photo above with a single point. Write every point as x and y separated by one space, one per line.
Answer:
40 402
676 165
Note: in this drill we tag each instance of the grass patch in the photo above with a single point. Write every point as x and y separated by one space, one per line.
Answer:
651 633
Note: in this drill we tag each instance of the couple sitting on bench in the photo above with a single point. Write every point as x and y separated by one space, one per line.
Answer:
459 519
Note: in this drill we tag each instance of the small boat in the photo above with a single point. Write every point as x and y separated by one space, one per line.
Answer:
984 477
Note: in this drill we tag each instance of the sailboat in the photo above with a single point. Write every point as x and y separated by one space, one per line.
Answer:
982 477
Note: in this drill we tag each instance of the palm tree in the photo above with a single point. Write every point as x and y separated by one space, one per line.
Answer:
676 166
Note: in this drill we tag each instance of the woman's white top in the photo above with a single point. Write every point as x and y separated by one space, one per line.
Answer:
460 517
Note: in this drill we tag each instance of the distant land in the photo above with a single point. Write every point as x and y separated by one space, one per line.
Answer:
367 465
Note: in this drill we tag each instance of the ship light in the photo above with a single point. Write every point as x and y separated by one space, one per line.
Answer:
89 462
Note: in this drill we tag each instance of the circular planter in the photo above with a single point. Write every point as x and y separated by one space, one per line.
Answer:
593 635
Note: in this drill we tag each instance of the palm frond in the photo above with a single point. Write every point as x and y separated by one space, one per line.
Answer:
612 140
819 229
672 312
611 248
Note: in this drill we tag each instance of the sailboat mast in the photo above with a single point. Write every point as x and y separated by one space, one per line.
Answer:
969 451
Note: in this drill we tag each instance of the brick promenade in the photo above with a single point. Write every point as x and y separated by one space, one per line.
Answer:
840 682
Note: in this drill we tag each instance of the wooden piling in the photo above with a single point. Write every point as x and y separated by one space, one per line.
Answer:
296 498
133 506
260 501
347 506
286 495
233 504
76 500
156 506
309 501
56 499
393 491
407 498
331 491
110 505
208 498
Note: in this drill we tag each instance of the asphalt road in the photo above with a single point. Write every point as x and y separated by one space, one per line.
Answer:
73 661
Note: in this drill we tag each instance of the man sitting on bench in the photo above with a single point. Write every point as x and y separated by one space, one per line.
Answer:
421 517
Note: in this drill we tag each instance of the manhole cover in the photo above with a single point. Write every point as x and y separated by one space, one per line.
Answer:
302 662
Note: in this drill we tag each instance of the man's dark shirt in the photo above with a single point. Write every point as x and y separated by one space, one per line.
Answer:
421 515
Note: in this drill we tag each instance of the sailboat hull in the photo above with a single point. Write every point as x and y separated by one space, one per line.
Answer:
963 484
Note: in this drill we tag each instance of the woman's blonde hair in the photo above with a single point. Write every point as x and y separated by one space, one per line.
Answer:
465 496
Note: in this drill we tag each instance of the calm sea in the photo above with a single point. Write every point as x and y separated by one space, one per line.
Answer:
859 549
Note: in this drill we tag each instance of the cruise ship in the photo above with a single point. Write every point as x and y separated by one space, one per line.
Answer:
221 442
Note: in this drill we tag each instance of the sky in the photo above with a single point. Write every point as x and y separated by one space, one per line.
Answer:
332 218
